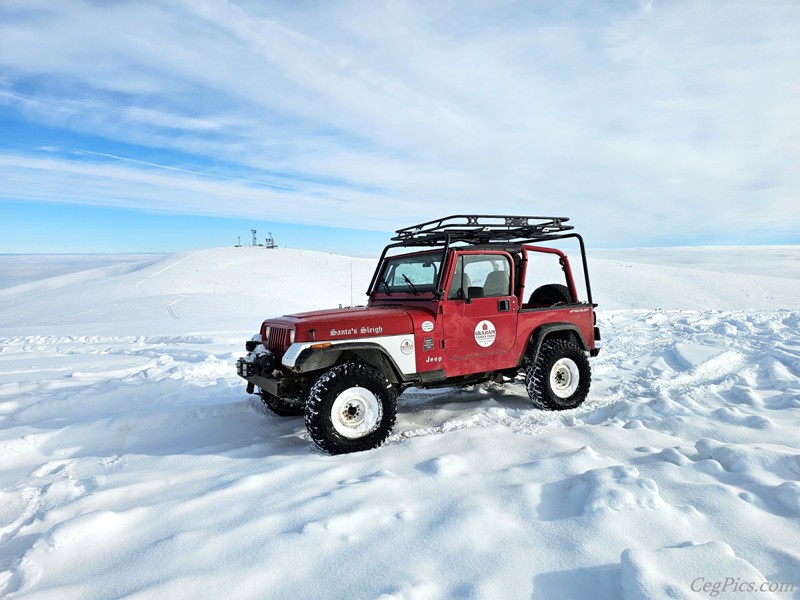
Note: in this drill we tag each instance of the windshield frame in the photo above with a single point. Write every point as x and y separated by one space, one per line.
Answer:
415 289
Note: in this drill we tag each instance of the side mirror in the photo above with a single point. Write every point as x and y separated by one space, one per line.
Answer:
474 292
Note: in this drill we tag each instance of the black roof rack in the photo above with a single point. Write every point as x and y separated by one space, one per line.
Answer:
481 229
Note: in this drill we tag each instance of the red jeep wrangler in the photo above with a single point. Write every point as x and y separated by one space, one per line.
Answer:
473 302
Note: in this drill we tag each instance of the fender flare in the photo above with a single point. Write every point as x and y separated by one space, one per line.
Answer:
540 334
315 359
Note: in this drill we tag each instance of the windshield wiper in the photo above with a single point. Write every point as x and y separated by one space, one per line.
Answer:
411 285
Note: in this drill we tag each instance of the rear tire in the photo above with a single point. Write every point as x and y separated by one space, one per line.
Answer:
560 377
351 408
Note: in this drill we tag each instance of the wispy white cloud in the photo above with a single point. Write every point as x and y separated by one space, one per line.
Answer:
646 122
165 189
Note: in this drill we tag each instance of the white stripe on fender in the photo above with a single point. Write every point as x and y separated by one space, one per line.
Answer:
399 347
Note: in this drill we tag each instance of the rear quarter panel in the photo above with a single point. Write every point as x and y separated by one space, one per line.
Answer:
579 315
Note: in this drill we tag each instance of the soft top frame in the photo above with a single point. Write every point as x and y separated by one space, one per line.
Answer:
482 230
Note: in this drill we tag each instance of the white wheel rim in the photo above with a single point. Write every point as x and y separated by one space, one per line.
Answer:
564 378
356 412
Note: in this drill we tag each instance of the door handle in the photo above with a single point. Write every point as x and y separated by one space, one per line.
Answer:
503 305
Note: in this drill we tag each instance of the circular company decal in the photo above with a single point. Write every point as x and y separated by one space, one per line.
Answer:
407 346
485 334
427 326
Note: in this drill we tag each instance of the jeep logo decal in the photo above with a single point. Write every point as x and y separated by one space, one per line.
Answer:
485 334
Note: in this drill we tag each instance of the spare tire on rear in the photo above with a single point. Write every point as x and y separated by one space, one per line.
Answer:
550 294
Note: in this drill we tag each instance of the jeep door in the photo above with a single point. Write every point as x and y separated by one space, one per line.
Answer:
480 311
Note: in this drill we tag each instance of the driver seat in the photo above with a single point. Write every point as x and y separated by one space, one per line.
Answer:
497 284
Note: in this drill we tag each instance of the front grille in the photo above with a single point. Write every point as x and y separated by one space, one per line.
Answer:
278 341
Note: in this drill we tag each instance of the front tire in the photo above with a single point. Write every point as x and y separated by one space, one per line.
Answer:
352 407
559 378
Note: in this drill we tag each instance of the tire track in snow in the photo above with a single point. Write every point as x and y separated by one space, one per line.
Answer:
170 312
655 365
714 365
169 306
167 268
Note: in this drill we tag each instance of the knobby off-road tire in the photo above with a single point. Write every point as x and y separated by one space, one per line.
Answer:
559 378
280 407
351 408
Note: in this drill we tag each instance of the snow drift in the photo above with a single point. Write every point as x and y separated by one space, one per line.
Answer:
134 465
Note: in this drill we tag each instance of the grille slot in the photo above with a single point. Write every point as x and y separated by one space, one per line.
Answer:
278 341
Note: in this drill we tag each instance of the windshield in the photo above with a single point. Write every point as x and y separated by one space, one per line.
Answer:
414 273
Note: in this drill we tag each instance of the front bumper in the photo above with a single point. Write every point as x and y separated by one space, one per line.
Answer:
247 371
258 369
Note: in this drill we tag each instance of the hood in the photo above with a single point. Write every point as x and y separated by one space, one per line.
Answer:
347 323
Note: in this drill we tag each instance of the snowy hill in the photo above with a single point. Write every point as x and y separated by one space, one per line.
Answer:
240 282
756 278
134 465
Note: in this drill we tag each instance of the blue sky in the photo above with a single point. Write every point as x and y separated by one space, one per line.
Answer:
168 125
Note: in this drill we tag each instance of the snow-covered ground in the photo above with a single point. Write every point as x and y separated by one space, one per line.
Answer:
133 464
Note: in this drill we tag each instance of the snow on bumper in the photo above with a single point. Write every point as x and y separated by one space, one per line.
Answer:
257 368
